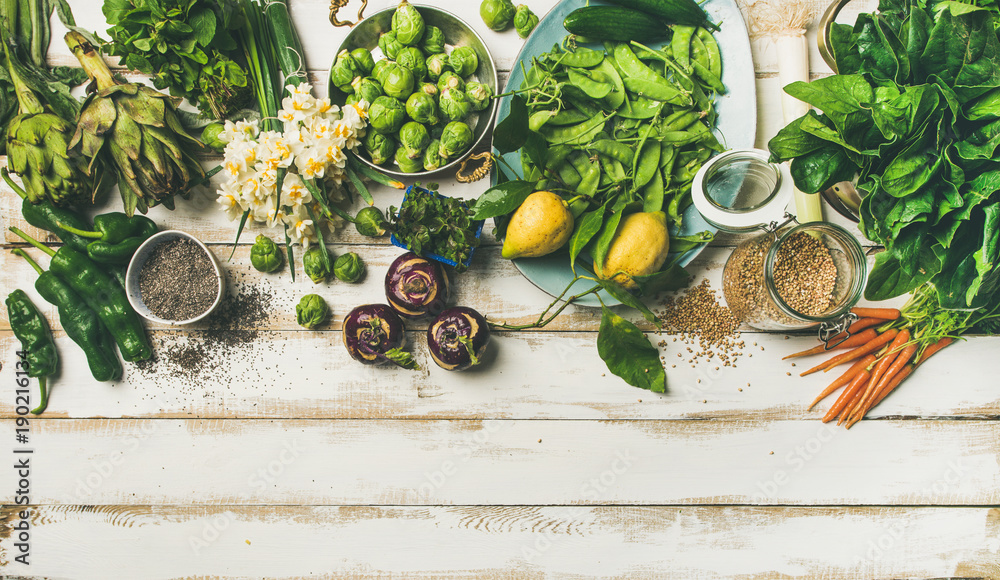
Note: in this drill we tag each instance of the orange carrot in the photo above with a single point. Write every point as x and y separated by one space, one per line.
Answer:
855 340
883 313
897 366
858 352
880 369
934 348
847 395
850 405
844 379
864 323
905 372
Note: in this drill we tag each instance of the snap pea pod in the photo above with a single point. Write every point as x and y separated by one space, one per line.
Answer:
632 67
595 84
557 154
539 119
657 91
652 193
612 168
614 149
591 179
673 209
680 44
702 71
678 120
581 57
714 53
648 164
639 108
578 134
568 174
616 97
567 117
579 161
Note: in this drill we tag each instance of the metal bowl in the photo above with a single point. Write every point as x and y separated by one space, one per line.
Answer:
456 33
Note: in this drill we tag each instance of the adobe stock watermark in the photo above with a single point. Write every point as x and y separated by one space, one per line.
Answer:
795 459
594 489
259 480
435 480
880 547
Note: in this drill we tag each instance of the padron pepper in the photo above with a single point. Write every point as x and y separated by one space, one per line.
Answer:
102 293
79 322
45 215
39 349
115 236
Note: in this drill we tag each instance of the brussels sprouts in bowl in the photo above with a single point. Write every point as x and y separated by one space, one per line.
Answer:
438 24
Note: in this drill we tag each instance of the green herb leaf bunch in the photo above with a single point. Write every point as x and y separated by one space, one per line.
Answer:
187 46
914 114
428 222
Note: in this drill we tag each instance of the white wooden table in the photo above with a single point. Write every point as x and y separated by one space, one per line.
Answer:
258 449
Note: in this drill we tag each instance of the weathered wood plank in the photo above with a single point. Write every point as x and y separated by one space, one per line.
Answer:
691 543
246 373
458 462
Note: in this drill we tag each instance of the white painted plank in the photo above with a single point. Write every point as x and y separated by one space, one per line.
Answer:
691 543
501 462
525 376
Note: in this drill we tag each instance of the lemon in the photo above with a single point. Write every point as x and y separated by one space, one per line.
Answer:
639 247
540 226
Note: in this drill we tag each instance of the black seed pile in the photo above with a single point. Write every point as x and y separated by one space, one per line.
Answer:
178 281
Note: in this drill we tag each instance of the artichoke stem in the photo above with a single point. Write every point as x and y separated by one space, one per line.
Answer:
26 98
91 60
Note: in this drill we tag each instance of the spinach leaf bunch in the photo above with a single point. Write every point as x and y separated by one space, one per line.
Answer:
914 114
187 46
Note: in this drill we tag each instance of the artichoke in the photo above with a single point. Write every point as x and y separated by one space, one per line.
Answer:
38 151
138 129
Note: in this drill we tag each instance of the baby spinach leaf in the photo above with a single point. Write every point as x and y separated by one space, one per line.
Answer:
629 354
986 256
501 199
836 96
844 48
981 143
913 168
793 141
882 55
888 280
821 169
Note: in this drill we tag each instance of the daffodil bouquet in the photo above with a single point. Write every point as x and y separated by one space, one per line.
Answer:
292 178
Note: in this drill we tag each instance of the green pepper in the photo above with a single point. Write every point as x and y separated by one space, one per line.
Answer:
39 349
46 216
80 323
102 294
115 236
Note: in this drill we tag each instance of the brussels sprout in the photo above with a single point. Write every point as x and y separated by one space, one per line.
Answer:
364 58
497 14
389 44
370 222
408 24
316 264
432 156
265 256
386 115
422 108
414 138
367 88
454 104
464 61
437 64
411 58
349 268
450 80
433 40
455 139
524 21
210 136
479 95
379 147
406 164
311 311
397 81
430 89
379 69
345 70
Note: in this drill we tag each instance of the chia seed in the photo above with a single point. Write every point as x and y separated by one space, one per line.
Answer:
178 281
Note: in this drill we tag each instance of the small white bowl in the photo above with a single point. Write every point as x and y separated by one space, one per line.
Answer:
139 260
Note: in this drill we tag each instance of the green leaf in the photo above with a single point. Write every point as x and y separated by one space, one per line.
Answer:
629 354
792 141
203 22
887 279
628 299
822 169
671 279
913 168
987 254
501 199
608 230
510 134
586 227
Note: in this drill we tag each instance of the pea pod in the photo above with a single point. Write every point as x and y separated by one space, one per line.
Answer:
538 119
657 91
591 179
673 209
639 108
578 134
567 117
647 164
714 53
680 44
614 149
612 168
557 154
568 174
678 120
582 57
616 97
634 68
710 79
591 83
652 193
579 161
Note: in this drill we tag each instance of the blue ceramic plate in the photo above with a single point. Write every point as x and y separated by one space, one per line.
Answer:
737 124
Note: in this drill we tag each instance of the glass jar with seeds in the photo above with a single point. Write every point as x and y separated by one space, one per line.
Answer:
789 277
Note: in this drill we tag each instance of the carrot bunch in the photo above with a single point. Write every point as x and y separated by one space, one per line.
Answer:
887 345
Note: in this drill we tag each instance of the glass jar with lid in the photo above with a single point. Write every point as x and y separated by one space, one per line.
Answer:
789 276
